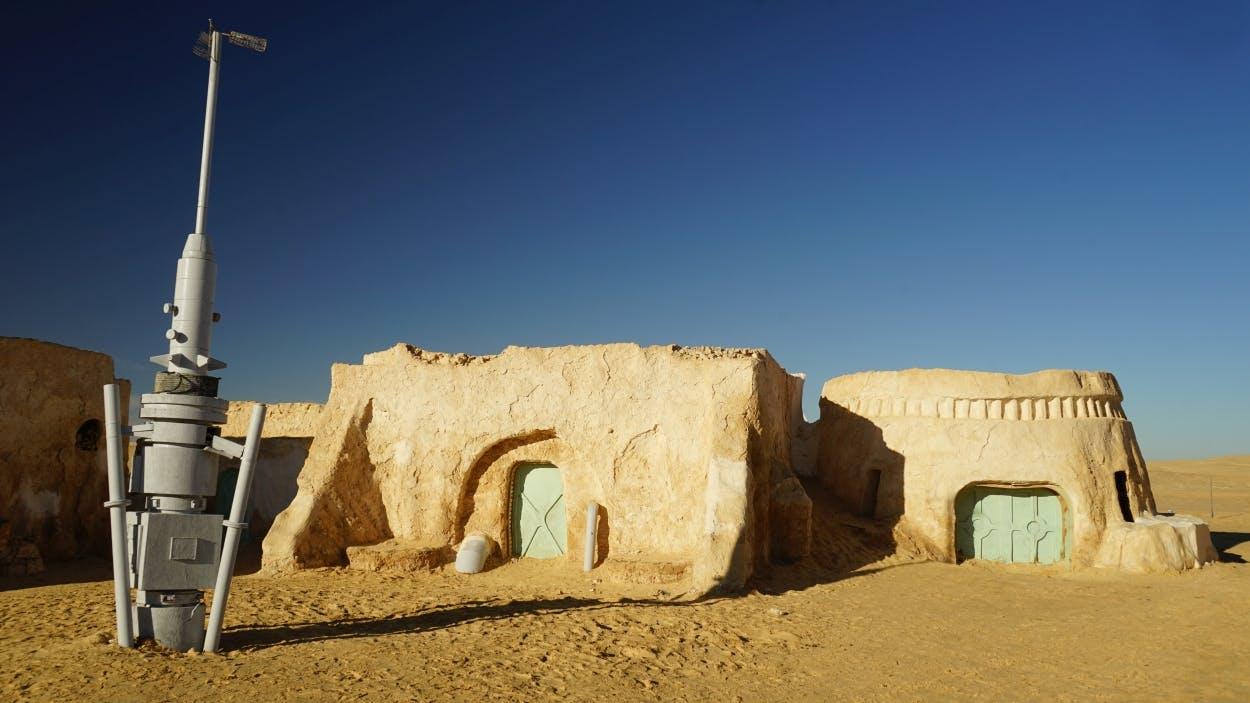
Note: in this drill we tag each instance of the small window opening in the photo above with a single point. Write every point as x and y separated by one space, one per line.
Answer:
1121 492
88 436
871 489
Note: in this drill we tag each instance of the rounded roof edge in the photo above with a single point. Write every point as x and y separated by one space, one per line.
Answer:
951 383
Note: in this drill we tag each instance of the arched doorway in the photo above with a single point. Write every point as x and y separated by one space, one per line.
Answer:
1015 525
87 437
539 520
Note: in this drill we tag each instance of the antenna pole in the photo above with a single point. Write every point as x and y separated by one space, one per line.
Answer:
210 112
177 447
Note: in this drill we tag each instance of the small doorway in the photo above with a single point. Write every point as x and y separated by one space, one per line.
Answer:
1121 494
868 506
1011 525
538 515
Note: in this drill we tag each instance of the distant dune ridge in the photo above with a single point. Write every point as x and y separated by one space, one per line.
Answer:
1193 485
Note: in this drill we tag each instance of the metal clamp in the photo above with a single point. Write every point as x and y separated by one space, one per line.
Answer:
116 503
234 525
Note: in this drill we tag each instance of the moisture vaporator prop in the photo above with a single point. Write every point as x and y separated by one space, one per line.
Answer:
164 545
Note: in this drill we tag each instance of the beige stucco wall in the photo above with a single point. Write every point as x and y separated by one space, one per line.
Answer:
933 432
52 491
681 446
281 419
285 441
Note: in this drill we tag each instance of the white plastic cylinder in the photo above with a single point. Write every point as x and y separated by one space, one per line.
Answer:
194 289
592 536
471 557
234 528
117 514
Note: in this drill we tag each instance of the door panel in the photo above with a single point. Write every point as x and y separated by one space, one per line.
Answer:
1012 525
538 514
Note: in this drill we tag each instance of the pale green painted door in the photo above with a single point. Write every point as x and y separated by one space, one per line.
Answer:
538 515
1013 525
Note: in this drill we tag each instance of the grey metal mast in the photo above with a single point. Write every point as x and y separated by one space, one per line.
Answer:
167 547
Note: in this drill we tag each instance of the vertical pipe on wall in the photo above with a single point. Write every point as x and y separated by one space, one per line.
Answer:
234 528
117 513
592 536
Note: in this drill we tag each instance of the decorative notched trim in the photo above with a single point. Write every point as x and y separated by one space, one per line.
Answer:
1055 408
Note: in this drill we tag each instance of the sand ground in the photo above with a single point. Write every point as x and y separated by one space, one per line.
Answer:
888 630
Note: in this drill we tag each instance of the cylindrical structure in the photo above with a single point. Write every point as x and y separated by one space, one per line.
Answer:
210 112
195 286
117 513
471 557
592 536
177 549
234 528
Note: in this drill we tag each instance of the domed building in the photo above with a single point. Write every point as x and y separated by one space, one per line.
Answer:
1041 468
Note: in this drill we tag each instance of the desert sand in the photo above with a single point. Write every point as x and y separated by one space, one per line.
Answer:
848 625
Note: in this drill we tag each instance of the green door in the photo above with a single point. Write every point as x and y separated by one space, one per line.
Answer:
1012 525
538 519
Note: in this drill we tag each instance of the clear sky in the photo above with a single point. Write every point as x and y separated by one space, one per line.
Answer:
869 185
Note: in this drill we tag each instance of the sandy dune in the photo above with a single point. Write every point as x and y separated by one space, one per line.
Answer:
889 629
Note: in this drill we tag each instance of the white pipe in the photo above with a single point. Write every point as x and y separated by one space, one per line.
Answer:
117 513
210 112
592 536
234 528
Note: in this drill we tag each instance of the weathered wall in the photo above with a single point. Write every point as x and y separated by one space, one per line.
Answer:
782 501
681 447
932 432
53 482
285 441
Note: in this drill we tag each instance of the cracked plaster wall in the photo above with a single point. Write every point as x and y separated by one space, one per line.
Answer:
680 446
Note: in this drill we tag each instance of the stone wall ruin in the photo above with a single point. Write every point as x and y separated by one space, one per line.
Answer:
52 464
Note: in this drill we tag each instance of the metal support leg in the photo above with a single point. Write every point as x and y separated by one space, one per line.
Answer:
234 528
117 513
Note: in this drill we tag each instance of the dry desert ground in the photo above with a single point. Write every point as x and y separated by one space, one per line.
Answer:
849 626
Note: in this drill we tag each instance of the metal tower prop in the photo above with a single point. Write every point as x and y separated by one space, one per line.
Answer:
165 546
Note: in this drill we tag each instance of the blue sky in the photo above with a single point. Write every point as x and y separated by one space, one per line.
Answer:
1000 186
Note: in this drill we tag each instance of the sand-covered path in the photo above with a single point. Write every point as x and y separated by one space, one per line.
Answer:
890 630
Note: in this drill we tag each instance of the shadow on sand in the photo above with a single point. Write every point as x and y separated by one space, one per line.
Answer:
436 618
1224 541
258 637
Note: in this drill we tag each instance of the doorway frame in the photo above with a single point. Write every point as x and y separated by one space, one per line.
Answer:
507 543
1064 507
